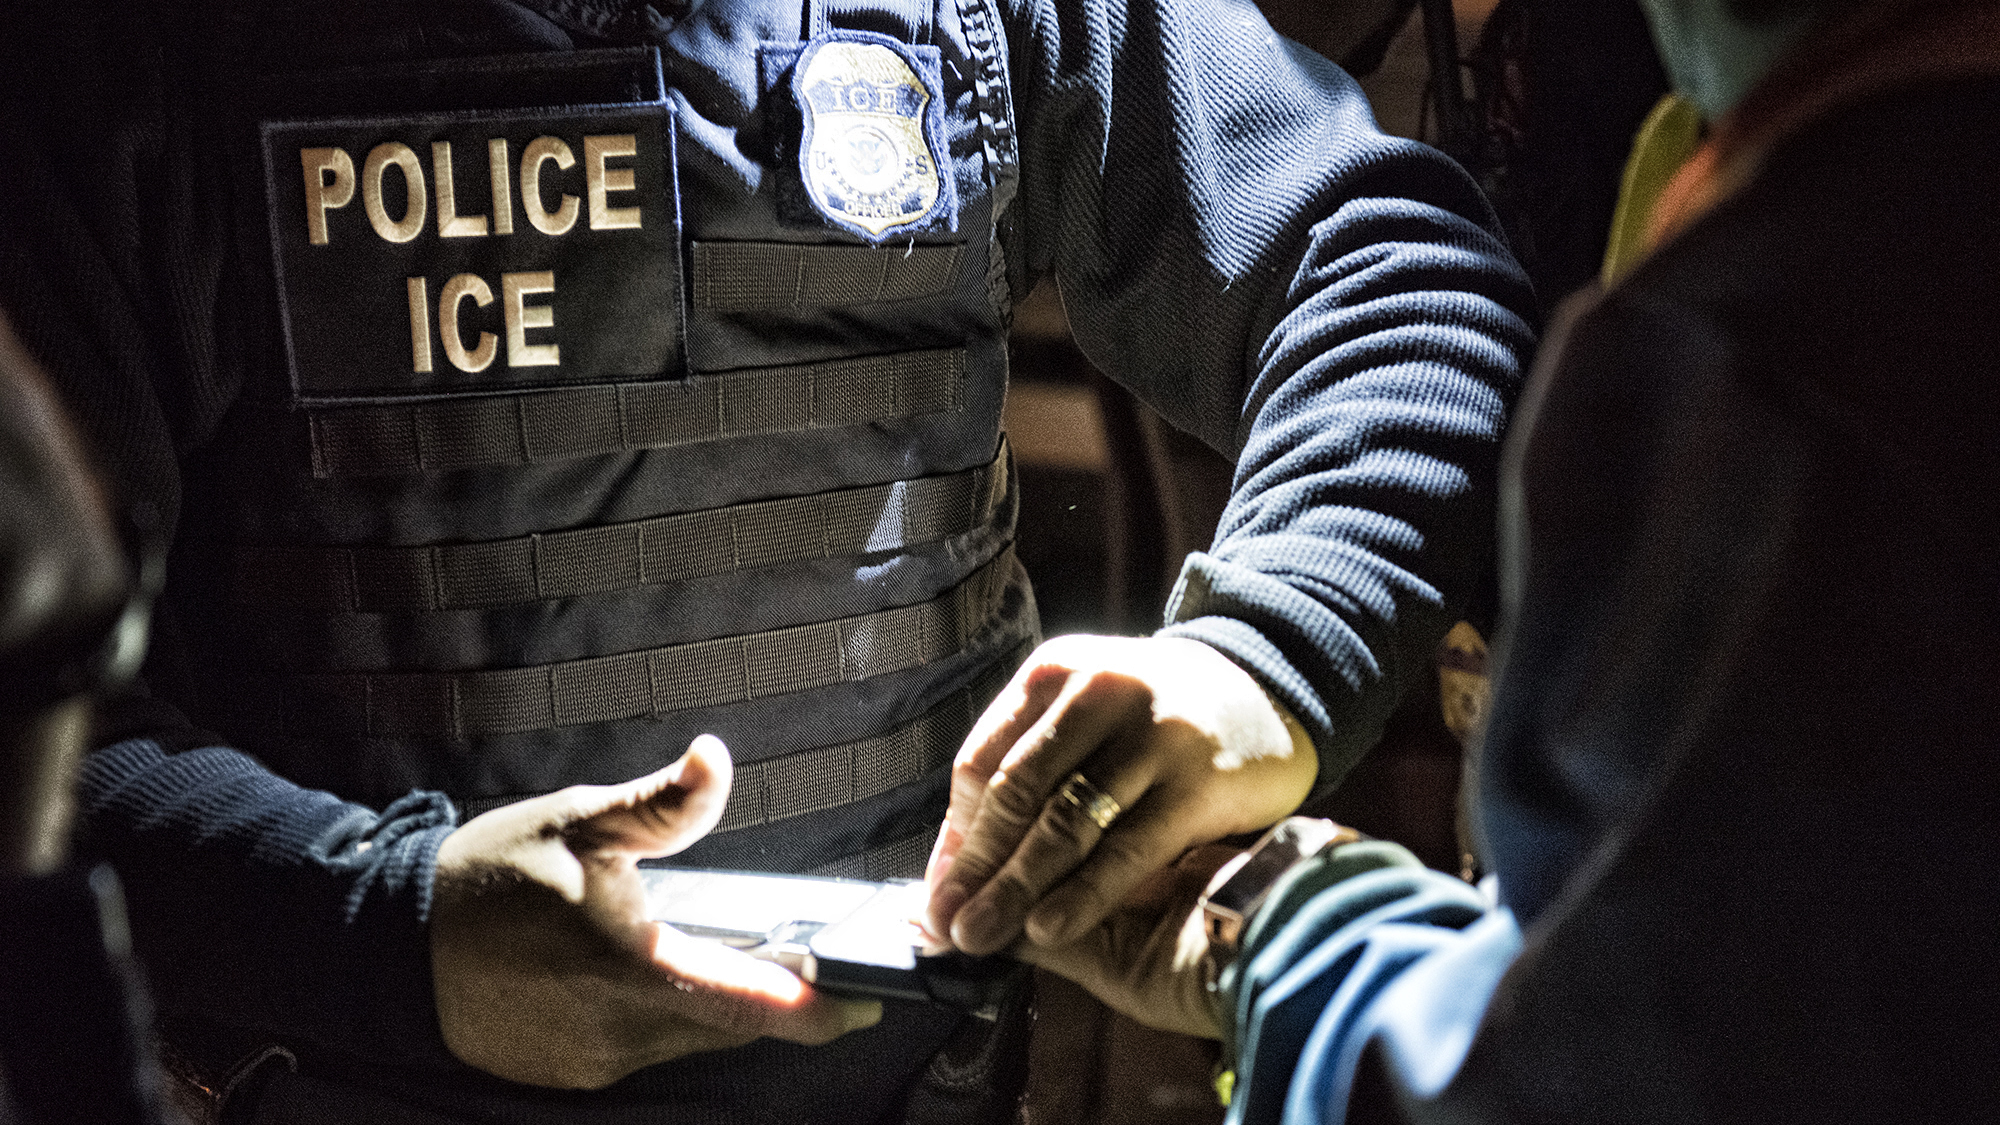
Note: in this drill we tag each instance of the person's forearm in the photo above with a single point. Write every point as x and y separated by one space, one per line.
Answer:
1363 509
234 874
1319 964
1331 307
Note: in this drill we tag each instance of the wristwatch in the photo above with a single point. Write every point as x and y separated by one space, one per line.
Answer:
1233 895
1241 885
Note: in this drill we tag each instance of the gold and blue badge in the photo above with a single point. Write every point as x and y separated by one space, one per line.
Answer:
870 156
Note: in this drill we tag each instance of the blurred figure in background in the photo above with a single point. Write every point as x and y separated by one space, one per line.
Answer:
74 1041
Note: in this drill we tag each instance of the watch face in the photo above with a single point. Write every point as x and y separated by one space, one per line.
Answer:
1239 888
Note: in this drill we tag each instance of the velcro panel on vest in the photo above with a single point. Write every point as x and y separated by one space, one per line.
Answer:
650 682
572 422
593 560
742 276
414 257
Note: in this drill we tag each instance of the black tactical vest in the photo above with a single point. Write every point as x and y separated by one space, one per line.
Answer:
622 395
598 399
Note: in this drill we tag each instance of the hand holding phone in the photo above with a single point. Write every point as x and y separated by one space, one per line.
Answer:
545 969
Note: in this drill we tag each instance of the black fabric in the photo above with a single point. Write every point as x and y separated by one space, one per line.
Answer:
594 560
220 855
582 422
871 1068
1561 87
739 276
75 1036
1741 765
1741 773
649 682
811 780
980 1056
604 76
441 692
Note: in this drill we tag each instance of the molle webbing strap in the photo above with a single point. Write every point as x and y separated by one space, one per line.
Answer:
650 552
812 781
745 276
897 859
556 425
650 682
824 777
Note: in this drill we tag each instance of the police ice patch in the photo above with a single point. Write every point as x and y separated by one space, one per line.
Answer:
869 156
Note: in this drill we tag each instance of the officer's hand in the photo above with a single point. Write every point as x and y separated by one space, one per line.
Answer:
1184 740
1147 960
546 970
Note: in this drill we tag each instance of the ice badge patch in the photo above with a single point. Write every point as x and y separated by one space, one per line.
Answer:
867 157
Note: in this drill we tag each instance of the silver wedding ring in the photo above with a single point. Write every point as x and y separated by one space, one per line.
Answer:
1089 800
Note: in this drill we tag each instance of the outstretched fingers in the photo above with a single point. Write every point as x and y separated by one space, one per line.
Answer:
1064 833
1017 708
1022 704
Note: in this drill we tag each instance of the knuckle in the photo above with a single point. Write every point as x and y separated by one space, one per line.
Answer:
1052 850
1041 688
1112 687
1012 890
1063 827
964 806
663 815
1044 675
1012 801
967 772
975 863
1099 679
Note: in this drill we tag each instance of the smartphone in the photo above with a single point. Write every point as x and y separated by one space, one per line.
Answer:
844 935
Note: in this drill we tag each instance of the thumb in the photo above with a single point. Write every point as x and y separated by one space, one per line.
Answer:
658 814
